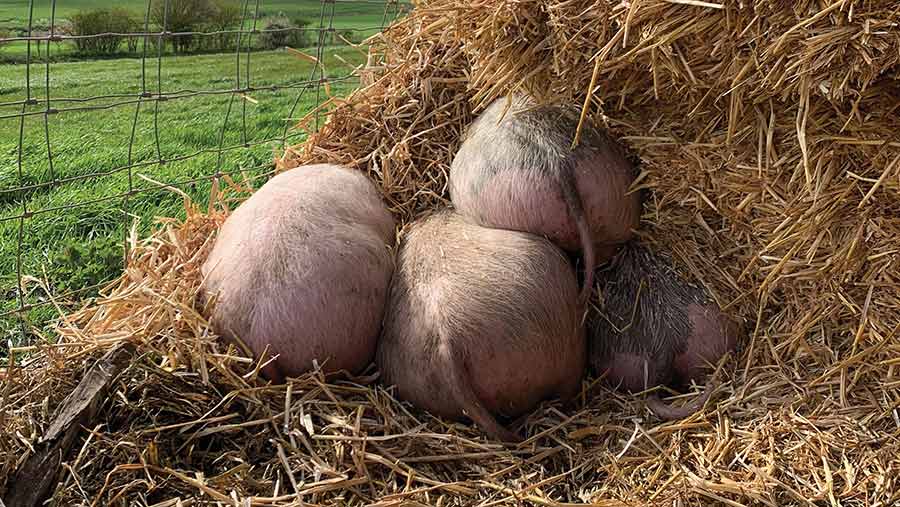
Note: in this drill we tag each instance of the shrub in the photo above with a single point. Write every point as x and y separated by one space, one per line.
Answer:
132 41
289 33
4 34
181 16
224 15
302 37
275 39
97 21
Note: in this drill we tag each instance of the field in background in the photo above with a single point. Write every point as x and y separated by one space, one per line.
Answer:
364 17
347 13
72 248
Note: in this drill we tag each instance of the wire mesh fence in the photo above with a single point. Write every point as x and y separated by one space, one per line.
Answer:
91 146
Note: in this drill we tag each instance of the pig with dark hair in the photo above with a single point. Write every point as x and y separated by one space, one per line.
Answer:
653 328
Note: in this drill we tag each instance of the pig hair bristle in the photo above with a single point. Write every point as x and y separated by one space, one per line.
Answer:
641 295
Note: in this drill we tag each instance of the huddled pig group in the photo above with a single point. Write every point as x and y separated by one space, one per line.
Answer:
478 312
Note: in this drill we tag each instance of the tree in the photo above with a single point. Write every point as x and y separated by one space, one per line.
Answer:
101 21
179 16
279 31
224 15
302 37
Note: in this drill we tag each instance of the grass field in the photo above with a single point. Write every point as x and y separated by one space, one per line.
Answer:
364 18
347 13
77 247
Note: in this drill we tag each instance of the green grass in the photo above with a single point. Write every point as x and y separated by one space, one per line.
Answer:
82 245
347 13
365 17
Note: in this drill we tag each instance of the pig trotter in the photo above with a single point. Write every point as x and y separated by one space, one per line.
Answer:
667 412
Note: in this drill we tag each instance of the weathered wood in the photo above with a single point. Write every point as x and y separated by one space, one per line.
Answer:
35 478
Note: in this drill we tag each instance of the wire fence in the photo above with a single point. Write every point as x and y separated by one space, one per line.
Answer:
51 117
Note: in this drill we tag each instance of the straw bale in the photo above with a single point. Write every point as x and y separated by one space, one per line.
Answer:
768 133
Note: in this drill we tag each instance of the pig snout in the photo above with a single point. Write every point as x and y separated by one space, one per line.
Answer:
302 269
480 323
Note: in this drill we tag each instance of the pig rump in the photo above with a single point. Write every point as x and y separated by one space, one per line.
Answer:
653 328
303 266
481 322
516 170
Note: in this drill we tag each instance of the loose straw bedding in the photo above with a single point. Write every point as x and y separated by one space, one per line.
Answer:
768 137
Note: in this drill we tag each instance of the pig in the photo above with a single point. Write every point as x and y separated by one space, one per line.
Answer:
516 169
653 328
304 266
481 323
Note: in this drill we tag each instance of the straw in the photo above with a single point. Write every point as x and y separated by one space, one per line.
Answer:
768 135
